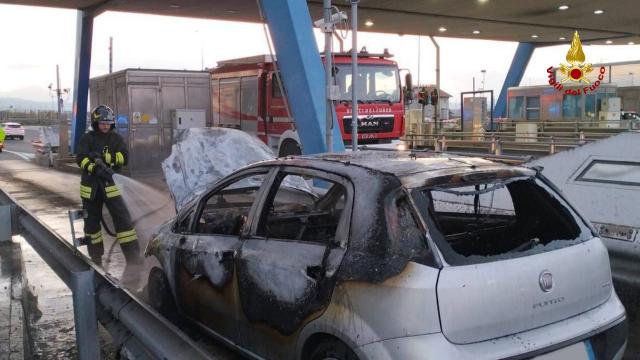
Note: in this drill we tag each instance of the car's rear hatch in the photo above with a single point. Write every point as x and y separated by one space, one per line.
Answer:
516 255
489 300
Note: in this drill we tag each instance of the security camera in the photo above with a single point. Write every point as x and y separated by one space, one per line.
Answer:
335 18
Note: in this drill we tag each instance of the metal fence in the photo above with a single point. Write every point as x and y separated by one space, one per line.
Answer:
546 137
33 117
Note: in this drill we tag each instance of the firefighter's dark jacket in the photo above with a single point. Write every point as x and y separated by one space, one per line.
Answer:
109 147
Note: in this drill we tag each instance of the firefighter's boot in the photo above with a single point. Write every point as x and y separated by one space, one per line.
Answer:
132 275
95 252
131 251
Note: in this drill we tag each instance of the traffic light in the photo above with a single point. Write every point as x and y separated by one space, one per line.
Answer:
423 96
434 97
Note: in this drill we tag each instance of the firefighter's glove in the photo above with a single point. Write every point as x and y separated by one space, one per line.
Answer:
107 158
102 170
87 164
119 159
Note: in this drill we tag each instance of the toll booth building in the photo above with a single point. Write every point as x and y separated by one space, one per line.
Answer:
149 106
544 103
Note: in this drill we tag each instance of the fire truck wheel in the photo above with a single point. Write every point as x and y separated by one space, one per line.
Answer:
289 147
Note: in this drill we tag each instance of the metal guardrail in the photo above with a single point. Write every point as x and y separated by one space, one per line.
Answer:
97 297
496 142
621 124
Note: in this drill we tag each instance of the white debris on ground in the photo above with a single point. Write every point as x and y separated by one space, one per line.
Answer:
202 156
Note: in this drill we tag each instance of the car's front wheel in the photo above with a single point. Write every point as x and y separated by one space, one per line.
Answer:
160 296
21 137
333 349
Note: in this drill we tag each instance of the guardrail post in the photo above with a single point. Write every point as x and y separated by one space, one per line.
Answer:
552 145
443 145
582 138
498 148
8 222
492 148
436 144
5 223
84 311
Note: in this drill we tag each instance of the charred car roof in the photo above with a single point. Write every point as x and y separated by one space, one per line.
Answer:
412 169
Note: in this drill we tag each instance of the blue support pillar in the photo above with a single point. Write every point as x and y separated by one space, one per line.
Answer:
84 35
514 76
302 71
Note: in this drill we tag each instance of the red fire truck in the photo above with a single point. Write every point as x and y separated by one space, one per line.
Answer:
246 95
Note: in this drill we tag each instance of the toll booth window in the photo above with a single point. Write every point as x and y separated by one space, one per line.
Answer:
533 107
304 209
590 106
226 211
571 106
516 107
611 172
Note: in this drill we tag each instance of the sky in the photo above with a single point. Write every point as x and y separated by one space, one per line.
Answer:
35 39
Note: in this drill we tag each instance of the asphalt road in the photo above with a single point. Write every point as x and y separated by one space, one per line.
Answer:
20 149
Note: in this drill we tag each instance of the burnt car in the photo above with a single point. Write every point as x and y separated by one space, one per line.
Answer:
385 255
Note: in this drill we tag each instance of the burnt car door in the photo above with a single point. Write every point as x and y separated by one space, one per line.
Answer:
204 261
286 269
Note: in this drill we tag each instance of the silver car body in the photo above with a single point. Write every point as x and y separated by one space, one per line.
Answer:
547 305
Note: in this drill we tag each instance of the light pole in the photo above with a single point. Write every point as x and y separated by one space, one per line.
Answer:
354 75
483 71
631 78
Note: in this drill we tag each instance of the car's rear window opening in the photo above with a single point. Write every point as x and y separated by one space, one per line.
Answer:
498 218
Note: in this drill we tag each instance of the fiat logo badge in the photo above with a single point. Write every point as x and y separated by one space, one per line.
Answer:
546 281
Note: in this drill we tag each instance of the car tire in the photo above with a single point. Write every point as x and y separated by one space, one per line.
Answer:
160 295
332 349
21 137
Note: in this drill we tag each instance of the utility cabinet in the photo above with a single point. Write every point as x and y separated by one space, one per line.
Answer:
188 118
144 101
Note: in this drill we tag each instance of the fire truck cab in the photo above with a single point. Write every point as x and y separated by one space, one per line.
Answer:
247 95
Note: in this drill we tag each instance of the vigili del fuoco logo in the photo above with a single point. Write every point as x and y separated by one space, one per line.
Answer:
575 71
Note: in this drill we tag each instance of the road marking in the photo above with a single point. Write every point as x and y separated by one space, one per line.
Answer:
24 156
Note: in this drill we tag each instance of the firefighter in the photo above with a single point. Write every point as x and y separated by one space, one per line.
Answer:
100 153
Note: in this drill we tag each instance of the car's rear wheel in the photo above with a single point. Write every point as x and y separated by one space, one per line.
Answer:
160 296
332 349
21 137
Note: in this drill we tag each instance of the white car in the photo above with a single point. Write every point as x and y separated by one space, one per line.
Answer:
381 255
13 130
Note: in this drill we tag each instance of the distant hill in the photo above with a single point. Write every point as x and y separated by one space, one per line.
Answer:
17 104
30 98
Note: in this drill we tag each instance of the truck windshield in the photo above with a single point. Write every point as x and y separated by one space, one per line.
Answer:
377 83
